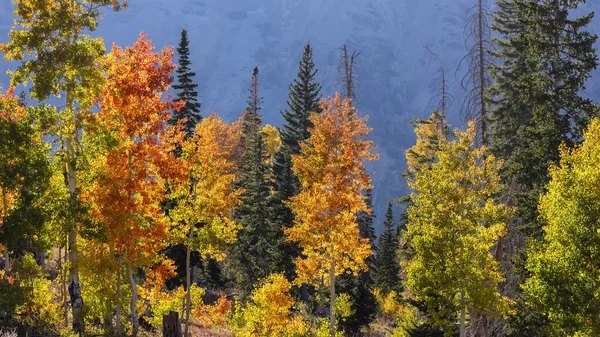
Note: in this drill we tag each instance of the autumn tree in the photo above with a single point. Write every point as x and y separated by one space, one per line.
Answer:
269 312
564 265
331 171
137 158
62 58
452 227
207 196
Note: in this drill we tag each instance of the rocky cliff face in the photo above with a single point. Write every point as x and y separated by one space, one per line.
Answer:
229 38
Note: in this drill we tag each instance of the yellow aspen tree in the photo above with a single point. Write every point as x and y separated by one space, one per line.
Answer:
331 171
453 225
565 265
207 196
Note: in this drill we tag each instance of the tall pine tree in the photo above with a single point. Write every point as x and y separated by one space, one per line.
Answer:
250 256
388 266
544 57
186 88
303 98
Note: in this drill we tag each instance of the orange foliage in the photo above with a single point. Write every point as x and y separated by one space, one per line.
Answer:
132 170
210 316
331 170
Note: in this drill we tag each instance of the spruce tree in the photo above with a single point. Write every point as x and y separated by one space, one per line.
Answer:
364 303
186 88
186 91
303 98
543 55
388 266
250 255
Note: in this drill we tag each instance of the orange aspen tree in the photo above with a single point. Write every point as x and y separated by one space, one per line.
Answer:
207 196
332 175
137 159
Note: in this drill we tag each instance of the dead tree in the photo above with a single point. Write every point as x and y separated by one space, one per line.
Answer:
346 72
476 79
444 99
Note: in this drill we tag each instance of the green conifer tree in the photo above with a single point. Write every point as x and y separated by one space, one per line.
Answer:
251 254
186 88
388 266
544 56
303 98
364 303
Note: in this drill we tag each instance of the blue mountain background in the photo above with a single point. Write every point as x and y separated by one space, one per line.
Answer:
397 76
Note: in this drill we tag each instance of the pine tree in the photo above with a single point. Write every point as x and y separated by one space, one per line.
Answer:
388 266
544 56
186 91
251 254
186 88
303 98
364 303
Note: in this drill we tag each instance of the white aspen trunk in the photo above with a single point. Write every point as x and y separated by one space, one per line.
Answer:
74 285
134 315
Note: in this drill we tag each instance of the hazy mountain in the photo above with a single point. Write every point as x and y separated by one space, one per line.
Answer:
229 38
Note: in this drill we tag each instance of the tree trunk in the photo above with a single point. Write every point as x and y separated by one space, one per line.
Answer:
120 294
134 315
482 71
64 285
74 286
332 298
188 290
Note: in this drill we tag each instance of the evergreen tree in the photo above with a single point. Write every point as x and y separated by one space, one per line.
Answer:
544 56
251 254
303 98
388 266
186 88
364 303
186 91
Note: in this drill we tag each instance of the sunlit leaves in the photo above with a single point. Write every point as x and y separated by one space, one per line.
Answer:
453 226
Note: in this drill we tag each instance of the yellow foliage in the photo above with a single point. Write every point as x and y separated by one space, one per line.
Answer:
39 309
404 316
208 155
453 226
270 312
331 171
272 141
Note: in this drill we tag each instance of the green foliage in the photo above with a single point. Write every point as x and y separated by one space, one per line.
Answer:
453 225
388 266
251 254
564 266
39 310
24 176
